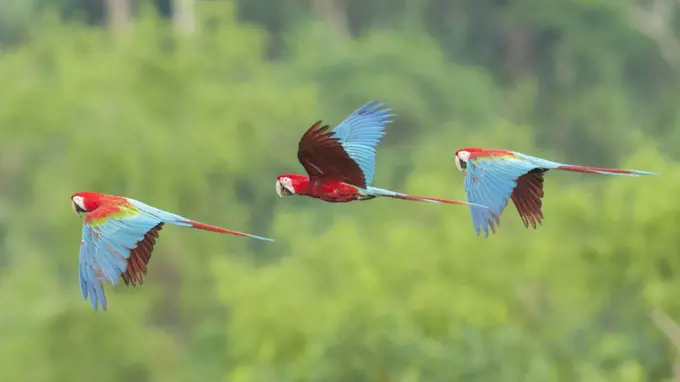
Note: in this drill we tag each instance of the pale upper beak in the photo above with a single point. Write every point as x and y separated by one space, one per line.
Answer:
282 190
461 165
75 208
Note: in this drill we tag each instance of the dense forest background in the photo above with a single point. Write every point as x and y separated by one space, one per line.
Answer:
196 106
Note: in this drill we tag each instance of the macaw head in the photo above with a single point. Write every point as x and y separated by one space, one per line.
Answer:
84 202
461 159
290 184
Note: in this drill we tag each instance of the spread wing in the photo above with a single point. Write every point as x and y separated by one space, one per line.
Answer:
527 197
360 134
490 181
347 152
323 157
117 241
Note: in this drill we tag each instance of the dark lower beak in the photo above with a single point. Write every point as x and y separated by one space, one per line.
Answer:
282 190
78 211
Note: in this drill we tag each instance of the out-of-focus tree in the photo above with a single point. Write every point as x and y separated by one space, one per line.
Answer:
119 14
184 15
378 290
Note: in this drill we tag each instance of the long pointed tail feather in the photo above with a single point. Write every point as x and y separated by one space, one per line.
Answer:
398 195
174 219
606 171
431 200
212 228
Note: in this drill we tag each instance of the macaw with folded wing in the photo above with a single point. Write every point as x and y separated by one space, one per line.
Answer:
118 237
494 176
340 162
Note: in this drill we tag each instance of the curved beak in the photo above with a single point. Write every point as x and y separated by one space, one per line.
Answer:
76 209
461 165
281 190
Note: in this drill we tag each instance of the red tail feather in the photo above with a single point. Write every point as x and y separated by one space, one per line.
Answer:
425 199
212 228
596 170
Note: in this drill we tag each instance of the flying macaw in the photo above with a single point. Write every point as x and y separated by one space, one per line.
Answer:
340 163
494 176
118 237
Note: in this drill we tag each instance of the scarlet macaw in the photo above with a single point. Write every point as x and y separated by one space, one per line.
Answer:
118 237
494 176
341 162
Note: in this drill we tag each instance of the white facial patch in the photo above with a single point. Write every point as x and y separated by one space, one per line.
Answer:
461 157
284 187
278 188
79 201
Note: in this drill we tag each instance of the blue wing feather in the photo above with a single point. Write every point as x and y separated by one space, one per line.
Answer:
538 162
105 249
360 133
164 216
489 181
106 246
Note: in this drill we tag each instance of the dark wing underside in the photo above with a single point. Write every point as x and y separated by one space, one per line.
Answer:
323 157
140 256
528 195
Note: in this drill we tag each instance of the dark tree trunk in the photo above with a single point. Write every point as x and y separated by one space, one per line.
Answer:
332 12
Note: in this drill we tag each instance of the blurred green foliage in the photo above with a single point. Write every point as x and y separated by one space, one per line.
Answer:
376 291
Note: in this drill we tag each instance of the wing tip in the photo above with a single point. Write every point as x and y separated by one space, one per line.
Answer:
483 222
97 298
378 107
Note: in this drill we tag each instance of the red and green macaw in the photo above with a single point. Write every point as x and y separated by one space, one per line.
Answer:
494 176
340 162
118 237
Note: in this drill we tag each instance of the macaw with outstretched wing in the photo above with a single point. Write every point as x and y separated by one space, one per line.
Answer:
118 237
340 162
492 177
